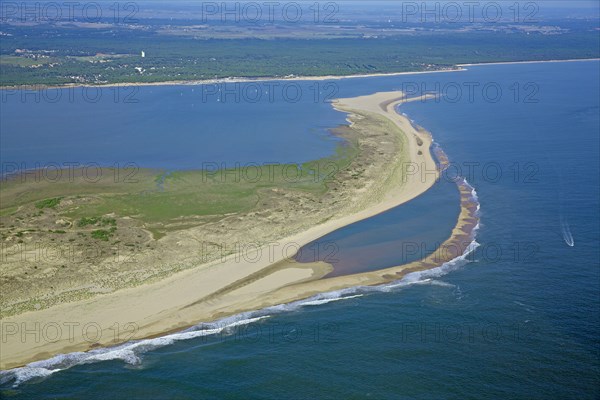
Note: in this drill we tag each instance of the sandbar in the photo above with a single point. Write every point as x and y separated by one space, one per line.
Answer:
230 286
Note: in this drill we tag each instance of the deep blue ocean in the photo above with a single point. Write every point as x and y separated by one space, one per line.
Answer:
516 319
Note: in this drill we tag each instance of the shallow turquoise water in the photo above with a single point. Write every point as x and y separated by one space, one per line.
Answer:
520 320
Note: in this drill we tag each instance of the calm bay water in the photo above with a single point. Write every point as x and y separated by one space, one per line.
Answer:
519 320
180 127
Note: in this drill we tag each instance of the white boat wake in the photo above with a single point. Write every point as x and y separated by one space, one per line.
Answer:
566 232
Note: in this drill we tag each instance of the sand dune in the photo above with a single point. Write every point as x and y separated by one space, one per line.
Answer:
225 287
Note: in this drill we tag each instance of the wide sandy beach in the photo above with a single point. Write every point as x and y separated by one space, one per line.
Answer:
267 277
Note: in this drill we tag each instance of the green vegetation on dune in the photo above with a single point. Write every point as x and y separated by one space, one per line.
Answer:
35 187
48 203
106 232
215 193
159 199
102 221
103 234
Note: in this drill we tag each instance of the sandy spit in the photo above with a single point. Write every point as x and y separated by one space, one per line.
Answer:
227 287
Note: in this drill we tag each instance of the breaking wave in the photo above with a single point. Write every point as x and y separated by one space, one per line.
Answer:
131 352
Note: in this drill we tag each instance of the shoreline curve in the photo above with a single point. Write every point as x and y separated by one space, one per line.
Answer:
182 300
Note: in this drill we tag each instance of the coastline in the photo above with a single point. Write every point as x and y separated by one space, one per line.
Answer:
528 62
455 68
224 80
228 287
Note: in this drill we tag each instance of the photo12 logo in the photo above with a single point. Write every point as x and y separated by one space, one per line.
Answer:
30 254
268 92
491 172
51 332
69 172
270 11
467 333
270 252
471 92
254 172
69 11
36 94
469 11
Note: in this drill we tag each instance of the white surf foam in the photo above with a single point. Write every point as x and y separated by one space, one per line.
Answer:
131 352
439 283
27 374
425 277
474 196
318 299
329 300
128 352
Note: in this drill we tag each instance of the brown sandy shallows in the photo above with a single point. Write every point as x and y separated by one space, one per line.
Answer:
262 278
